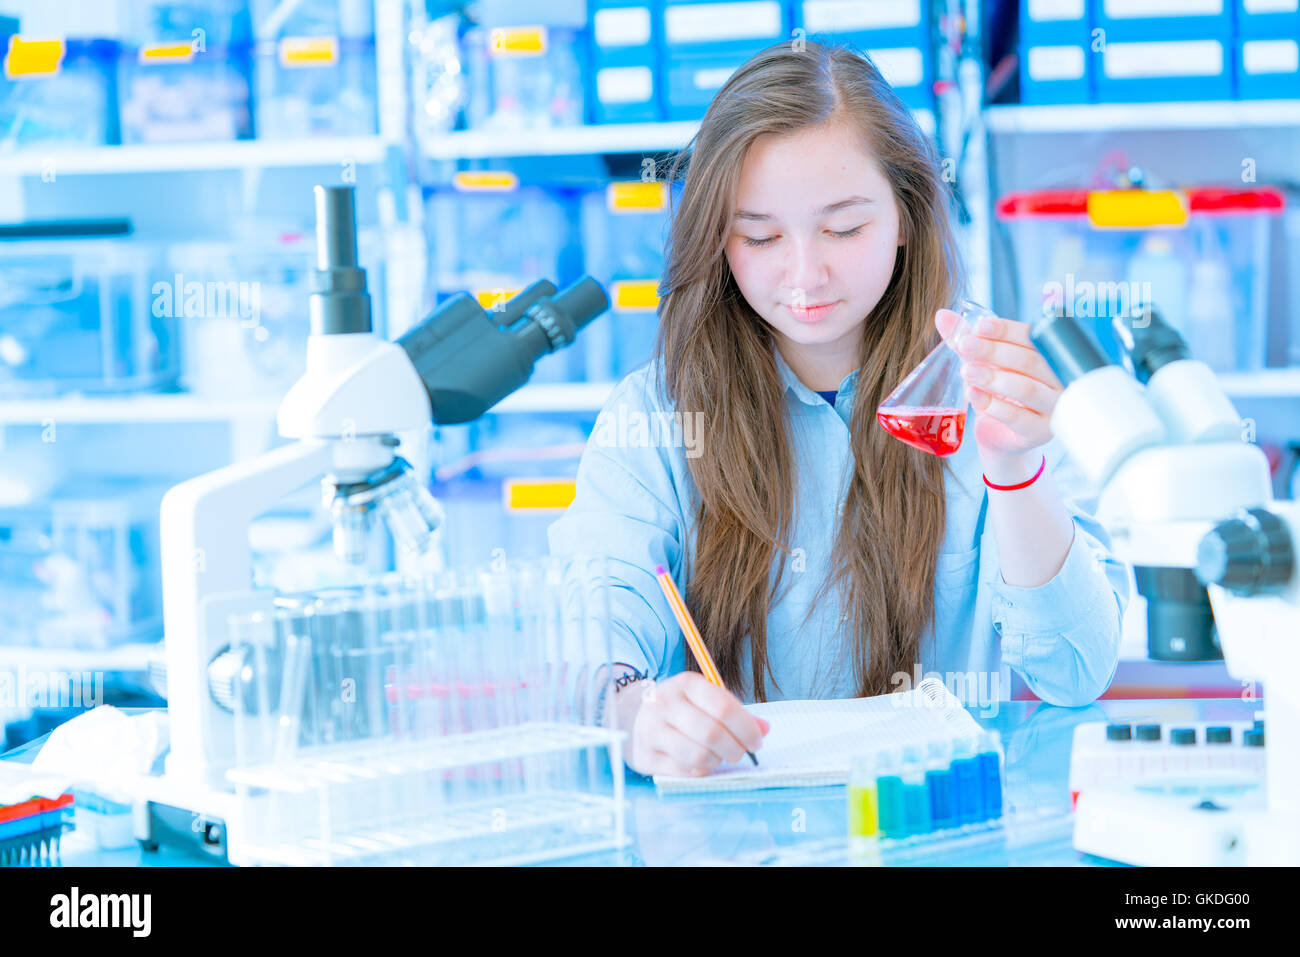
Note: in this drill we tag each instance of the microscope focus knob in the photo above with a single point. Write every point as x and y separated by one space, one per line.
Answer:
1248 555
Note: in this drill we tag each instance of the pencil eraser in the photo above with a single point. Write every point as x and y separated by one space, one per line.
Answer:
659 570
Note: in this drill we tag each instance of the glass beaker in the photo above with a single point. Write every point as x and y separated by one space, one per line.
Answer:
928 409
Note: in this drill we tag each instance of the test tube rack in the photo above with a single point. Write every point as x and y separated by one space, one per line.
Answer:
34 813
448 720
1123 753
916 796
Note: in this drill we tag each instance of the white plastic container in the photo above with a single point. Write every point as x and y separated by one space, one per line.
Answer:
75 316
242 306
1201 255
81 569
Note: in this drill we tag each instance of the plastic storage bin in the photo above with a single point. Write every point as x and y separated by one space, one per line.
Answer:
315 86
1267 18
78 316
81 570
1268 68
1200 255
1056 57
501 499
704 43
493 242
173 93
200 24
315 68
1174 50
625 41
895 34
242 306
525 77
624 231
59 91
274 19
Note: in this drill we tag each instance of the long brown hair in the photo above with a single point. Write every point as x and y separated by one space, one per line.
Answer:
718 359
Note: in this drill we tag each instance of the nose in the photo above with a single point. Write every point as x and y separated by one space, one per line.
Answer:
805 267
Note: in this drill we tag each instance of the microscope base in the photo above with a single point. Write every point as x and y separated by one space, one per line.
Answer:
1190 822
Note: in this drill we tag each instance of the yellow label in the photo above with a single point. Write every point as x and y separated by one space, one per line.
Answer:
517 41
309 51
167 53
1136 208
33 57
485 181
525 493
487 298
636 197
635 295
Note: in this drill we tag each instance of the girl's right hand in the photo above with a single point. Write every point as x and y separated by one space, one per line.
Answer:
685 726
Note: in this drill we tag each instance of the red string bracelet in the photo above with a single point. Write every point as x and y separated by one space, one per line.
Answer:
1026 484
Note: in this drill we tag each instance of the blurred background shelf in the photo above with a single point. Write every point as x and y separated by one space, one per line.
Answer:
582 140
194 157
173 407
1113 117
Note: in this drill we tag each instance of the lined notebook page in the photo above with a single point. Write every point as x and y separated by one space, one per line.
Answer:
814 742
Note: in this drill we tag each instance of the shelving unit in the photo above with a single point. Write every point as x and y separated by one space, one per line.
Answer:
575 140
195 157
1118 117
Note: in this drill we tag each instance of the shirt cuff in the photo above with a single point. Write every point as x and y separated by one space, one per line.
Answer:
1062 636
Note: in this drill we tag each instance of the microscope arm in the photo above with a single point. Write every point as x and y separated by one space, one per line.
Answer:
214 509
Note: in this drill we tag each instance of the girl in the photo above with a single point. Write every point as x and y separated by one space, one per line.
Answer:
809 265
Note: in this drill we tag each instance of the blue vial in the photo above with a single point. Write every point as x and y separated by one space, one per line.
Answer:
990 767
889 792
965 771
939 784
916 799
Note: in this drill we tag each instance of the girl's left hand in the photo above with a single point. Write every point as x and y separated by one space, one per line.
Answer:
1009 384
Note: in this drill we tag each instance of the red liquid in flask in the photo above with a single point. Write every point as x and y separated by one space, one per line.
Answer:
937 431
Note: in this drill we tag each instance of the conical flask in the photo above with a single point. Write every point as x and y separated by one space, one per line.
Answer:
928 409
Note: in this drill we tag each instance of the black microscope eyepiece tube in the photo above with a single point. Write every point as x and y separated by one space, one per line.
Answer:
339 302
583 301
1068 347
1153 343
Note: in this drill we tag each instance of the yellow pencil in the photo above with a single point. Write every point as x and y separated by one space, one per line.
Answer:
692 633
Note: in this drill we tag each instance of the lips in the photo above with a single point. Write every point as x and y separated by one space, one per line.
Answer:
812 311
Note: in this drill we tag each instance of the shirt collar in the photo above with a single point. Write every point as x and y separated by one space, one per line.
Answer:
804 394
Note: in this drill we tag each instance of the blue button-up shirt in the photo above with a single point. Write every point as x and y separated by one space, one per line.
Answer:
636 504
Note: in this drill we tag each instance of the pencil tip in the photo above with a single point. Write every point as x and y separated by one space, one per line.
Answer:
752 758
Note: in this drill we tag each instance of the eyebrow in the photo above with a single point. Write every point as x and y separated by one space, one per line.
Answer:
832 208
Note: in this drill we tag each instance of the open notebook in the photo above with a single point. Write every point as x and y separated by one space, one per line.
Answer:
814 742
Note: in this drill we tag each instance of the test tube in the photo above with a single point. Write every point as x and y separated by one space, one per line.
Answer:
989 760
939 784
916 797
889 796
864 817
968 797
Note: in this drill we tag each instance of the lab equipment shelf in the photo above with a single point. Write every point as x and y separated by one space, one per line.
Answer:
145 407
556 397
582 140
1113 117
184 407
123 658
185 157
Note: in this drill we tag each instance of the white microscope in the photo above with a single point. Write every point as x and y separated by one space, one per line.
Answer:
1179 489
358 392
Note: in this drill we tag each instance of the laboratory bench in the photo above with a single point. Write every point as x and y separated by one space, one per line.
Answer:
808 826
